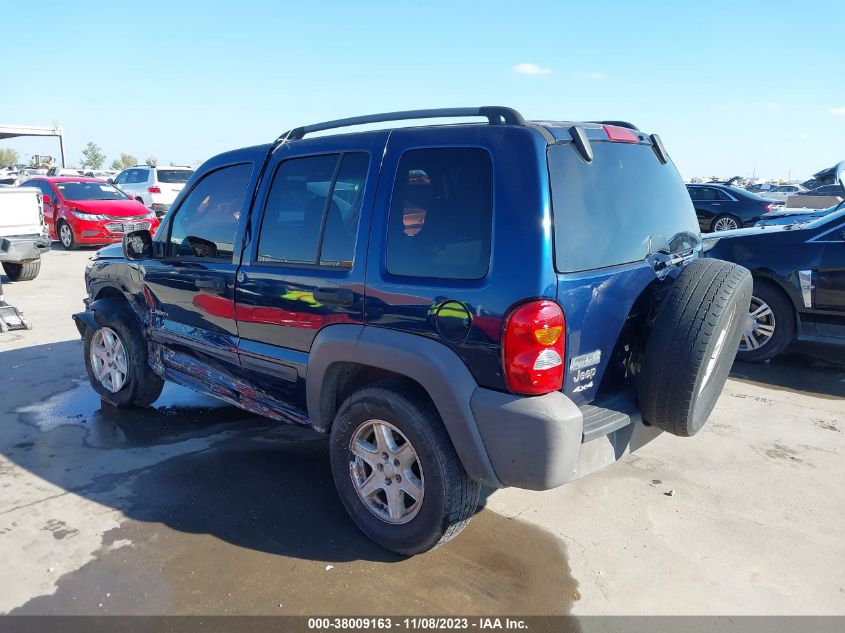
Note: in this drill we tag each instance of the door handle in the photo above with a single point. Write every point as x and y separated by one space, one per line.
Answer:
334 296
211 283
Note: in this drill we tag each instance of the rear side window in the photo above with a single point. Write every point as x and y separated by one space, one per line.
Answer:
441 214
207 220
312 210
173 175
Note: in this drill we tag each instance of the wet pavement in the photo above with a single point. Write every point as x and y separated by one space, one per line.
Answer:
251 524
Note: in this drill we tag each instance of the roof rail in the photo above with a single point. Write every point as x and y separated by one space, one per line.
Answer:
630 126
496 115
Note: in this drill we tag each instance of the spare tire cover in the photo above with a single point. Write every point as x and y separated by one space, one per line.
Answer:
692 345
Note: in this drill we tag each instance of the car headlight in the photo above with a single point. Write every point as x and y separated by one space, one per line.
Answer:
92 217
150 216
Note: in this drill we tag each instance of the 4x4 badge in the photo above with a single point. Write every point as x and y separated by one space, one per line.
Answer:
585 360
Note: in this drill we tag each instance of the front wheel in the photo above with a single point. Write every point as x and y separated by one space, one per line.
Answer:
769 326
116 358
66 238
397 472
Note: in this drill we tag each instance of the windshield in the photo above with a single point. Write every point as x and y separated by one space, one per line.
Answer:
174 175
619 208
89 191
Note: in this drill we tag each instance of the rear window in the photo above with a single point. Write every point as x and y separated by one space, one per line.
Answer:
441 214
608 211
174 175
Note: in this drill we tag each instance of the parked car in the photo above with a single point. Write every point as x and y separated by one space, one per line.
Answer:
362 285
8 176
796 216
86 211
723 208
782 192
155 187
829 176
799 283
23 233
826 190
762 188
102 174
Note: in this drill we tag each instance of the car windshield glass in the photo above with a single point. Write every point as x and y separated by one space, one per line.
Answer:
89 191
832 214
618 208
174 175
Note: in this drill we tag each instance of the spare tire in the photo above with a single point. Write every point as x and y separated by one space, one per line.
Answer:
22 272
692 345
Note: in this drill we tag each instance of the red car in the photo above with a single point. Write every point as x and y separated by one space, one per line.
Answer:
86 211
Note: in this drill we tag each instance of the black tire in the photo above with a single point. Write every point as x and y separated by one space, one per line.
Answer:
450 496
783 321
692 345
68 244
22 272
725 217
142 386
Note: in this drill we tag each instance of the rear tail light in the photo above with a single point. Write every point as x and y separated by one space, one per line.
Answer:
621 134
771 207
154 189
533 348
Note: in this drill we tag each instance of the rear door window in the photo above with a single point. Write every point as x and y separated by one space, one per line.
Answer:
312 210
441 214
205 223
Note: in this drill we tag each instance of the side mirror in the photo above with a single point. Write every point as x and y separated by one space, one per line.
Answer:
138 245
110 181
47 199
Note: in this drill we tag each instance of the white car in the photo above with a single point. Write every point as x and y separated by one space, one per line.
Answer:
156 187
782 192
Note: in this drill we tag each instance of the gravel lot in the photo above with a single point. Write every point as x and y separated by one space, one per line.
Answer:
198 508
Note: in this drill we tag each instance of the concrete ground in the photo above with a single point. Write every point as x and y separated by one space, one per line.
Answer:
197 508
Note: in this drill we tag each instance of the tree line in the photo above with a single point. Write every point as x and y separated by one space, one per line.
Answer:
94 158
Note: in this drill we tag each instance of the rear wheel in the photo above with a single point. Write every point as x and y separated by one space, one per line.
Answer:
116 357
397 472
22 272
725 223
769 326
66 238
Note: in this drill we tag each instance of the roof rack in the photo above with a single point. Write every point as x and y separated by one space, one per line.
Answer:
496 115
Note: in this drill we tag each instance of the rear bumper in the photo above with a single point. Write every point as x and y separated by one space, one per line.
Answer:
542 442
23 248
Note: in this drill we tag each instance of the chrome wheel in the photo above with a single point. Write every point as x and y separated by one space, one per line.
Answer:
759 326
108 359
386 472
725 224
65 235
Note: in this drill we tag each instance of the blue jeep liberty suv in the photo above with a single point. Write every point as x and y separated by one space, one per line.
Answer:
494 302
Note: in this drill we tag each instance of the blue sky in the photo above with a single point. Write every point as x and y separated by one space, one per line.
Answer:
732 87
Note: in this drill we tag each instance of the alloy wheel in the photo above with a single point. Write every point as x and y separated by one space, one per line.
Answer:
108 359
725 224
65 235
386 472
759 326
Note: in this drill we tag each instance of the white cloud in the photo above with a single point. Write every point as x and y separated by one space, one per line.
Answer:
838 111
591 75
531 69
772 106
